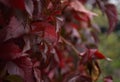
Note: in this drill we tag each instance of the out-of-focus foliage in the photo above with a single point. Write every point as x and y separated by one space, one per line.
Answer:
101 20
110 45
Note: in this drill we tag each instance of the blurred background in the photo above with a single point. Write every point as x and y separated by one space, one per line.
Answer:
109 45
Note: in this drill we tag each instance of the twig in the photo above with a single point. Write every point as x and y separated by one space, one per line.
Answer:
72 46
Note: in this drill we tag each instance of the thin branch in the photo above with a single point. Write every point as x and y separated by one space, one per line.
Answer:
72 46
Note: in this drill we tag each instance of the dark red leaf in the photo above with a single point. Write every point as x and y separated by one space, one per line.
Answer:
108 79
112 15
26 65
14 4
9 51
17 4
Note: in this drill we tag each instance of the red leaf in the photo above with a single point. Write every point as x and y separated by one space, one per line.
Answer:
82 17
61 58
92 54
50 34
108 79
48 30
99 55
26 65
111 13
9 51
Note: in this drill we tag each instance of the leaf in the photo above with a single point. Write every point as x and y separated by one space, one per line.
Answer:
14 4
91 54
112 15
95 54
48 31
77 6
99 55
17 4
60 58
14 28
94 70
26 65
108 79
9 51
37 75
50 34
29 6
83 18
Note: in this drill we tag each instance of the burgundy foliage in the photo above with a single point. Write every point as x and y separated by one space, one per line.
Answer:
51 40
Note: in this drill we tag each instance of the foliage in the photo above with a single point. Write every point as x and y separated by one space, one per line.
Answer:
51 40
112 52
